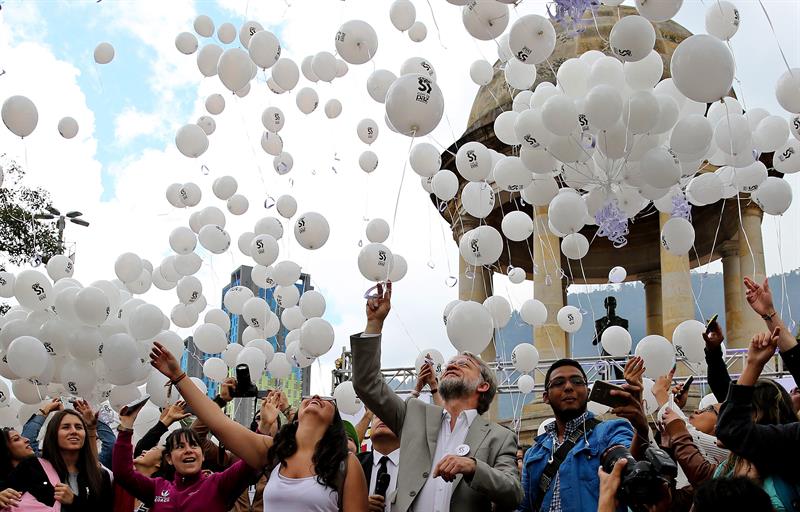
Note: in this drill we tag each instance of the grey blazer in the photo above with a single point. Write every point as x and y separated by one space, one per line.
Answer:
494 448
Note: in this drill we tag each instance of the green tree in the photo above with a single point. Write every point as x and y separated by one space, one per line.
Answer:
23 238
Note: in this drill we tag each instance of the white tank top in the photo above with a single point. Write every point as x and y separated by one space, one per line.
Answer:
298 494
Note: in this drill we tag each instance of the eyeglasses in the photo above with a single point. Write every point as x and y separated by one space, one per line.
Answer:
709 408
328 399
560 382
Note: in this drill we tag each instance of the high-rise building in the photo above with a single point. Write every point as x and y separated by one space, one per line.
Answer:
298 383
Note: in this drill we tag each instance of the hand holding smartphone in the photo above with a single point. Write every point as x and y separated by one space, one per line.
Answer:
134 406
601 393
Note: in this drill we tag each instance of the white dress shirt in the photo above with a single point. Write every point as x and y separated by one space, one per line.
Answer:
436 493
391 468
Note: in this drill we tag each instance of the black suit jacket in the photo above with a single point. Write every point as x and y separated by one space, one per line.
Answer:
366 458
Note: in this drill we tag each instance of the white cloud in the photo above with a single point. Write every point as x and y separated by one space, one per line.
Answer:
132 123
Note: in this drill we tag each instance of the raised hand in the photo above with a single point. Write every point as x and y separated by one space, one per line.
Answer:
85 410
175 412
759 297
662 386
714 336
51 406
269 409
426 377
163 361
634 371
227 388
762 347
378 308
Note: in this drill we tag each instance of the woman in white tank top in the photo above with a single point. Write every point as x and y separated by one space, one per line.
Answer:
308 461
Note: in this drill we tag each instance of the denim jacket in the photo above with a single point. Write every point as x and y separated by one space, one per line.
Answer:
580 485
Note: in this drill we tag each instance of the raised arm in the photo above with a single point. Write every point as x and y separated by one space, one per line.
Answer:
695 466
138 485
367 380
718 377
251 447
34 424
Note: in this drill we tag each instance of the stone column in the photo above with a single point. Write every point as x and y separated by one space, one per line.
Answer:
751 250
550 339
475 283
652 303
734 294
677 302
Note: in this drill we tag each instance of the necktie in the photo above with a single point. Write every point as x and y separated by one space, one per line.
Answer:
379 477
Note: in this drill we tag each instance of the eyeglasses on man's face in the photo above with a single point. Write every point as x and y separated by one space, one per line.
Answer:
329 399
559 382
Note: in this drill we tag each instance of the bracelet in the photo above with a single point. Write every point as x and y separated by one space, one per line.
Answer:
42 411
769 317
124 429
180 378
171 383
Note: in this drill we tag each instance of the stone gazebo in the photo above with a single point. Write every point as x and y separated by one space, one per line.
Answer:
666 278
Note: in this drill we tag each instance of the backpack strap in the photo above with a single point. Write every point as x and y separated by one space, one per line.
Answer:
558 457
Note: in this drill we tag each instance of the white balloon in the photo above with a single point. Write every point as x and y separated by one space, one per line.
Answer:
658 11
603 106
703 189
273 119
20 115
645 73
532 39
524 358
204 25
473 161
470 327
146 321
367 131
575 246
368 161
445 184
189 289
770 134
749 178
92 306
27 357
616 341
402 14
478 198
774 196
485 19
283 163
264 249
234 68
688 340
231 354
660 168
286 206
224 187
312 304
533 312
525 384
286 296
215 369
375 262
247 31
425 159
316 337
218 317
264 49
399 268
235 298
377 230
255 360
333 108
59 267
215 104
519 75
271 143
67 128
481 72
356 42
709 56
414 105
311 230
569 318
691 136
33 290
559 115
191 140
214 238
346 399
207 59
286 273
500 309
677 236
481 246
307 100
511 175
658 354
787 158
567 212
103 53
118 351
210 338
722 20
632 38
286 74
787 91
378 84
504 128
186 43
517 226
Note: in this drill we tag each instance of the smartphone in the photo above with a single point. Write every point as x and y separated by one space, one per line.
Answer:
135 405
601 393
685 388
712 323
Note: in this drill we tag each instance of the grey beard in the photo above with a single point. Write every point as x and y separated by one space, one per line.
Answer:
457 388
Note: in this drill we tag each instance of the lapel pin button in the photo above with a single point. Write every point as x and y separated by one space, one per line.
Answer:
462 450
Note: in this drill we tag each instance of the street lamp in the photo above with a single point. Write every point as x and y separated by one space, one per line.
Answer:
61 220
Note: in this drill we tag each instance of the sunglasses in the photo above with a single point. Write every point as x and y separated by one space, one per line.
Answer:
709 408
328 399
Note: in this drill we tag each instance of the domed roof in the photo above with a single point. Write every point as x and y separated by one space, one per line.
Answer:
495 98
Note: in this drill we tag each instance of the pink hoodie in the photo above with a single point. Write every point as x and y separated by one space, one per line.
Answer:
209 493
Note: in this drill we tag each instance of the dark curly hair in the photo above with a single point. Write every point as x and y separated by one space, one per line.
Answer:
88 465
6 464
329 453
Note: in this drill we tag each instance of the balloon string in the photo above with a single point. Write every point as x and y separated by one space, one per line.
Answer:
400 189
436 24
502 216
777 42
250 144
784 294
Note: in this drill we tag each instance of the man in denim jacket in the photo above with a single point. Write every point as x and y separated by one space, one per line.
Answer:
576 486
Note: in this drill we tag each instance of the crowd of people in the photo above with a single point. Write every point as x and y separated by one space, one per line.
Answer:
742 453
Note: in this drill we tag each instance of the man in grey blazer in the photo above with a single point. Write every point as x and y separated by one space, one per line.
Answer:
451 458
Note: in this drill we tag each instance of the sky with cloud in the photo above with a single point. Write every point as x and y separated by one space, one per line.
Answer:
118 167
